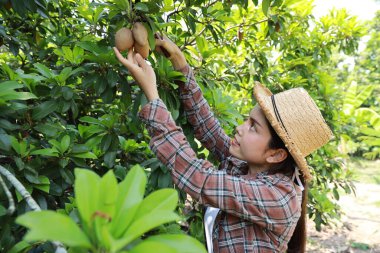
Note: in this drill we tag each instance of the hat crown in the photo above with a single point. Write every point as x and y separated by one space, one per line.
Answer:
301 120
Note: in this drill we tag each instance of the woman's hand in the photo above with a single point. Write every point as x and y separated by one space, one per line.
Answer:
141 71
165 46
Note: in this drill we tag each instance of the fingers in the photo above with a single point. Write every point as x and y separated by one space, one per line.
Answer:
140 61
131 56
120 57
128 63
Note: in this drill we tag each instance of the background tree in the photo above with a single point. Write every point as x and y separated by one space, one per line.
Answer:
65 102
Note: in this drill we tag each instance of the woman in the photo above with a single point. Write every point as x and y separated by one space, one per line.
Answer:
254 197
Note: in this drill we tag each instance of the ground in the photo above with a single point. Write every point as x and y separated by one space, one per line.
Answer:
359 229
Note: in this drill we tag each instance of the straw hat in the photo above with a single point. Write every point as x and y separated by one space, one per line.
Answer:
297 121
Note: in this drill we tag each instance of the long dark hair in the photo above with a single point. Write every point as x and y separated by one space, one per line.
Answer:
297 243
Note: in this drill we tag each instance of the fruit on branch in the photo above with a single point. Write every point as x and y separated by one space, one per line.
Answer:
140 34
124 39
137 38
142 50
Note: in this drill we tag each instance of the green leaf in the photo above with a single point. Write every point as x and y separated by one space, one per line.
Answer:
85 155
46 151
44 109
19 147
91 120
109 158
49 129
106 142
161 200
44 184
65 143
5 142
131 193
66 230
20 247
9 86
265 7
107 199
108 193
86 189
6 125
143 225
179 243
148 246
63 75
141 7
45 71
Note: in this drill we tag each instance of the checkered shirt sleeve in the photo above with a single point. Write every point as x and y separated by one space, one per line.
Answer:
206 127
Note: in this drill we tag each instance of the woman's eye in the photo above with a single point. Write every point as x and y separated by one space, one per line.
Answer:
252 124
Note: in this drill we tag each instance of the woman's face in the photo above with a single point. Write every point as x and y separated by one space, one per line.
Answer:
251 140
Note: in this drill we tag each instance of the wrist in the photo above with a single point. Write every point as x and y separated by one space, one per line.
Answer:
152 95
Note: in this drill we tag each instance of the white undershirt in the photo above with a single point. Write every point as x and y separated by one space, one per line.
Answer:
210 215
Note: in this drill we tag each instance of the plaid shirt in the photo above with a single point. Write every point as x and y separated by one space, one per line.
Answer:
258 214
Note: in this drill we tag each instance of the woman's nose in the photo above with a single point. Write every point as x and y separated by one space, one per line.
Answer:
238 129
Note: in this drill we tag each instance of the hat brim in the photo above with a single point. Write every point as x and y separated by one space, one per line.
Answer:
263 98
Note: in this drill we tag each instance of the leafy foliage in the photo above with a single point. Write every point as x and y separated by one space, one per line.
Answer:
112 216
69 104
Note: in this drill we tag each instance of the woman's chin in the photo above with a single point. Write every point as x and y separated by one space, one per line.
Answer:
233 152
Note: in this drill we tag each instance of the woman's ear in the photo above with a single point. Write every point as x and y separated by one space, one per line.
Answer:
277 155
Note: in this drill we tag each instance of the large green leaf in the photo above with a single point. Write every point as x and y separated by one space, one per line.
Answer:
87 187
17 96
52 226
160 200
108 193
7 92
143 225
46 151
45 71
44 109
152 246
178 243
9 86
131 193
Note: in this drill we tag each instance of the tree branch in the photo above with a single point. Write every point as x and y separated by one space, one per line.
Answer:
28 198
192 40
20 188
249 25
11 207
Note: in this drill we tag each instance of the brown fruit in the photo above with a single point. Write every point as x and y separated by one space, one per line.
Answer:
240 34
277 27
143 50
140 34
124 39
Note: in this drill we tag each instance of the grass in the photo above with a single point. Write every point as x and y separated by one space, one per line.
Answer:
360 245
365 171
